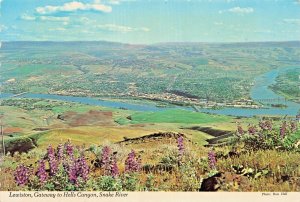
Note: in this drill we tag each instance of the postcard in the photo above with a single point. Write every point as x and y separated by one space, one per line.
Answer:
142 100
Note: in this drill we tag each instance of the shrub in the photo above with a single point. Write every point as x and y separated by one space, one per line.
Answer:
130 182
266 135
149 184
109 183
189 180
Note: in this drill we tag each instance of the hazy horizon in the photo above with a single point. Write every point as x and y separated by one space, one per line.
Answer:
151 21
166 42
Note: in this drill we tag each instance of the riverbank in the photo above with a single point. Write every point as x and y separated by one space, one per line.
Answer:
260 91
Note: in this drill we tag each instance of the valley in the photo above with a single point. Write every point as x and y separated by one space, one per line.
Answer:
216 99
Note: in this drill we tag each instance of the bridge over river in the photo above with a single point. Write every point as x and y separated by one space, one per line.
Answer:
271 100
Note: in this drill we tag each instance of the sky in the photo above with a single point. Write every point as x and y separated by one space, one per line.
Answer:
150 21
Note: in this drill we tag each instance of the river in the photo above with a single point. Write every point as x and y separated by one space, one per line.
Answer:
95 102
259 91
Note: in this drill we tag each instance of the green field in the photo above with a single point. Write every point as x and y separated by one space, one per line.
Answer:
176 116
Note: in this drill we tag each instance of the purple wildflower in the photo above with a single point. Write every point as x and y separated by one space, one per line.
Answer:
265 125
69 149
114 167
52 160
212 159
240 130
78 168
269 125
108 162
83 168
283 129
41 173
50 152
60 152
262 125
22 175
72 172
251 129
105 159
132 164
180 146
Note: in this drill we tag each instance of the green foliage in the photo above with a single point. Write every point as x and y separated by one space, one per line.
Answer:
58 182
149 185
292 140
212 172
188 177
282 136
256 142
130 181
287 84
108 183
169 160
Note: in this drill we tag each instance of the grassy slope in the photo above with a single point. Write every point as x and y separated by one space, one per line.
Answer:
143 123
91 135
175 120
280 163
176 116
